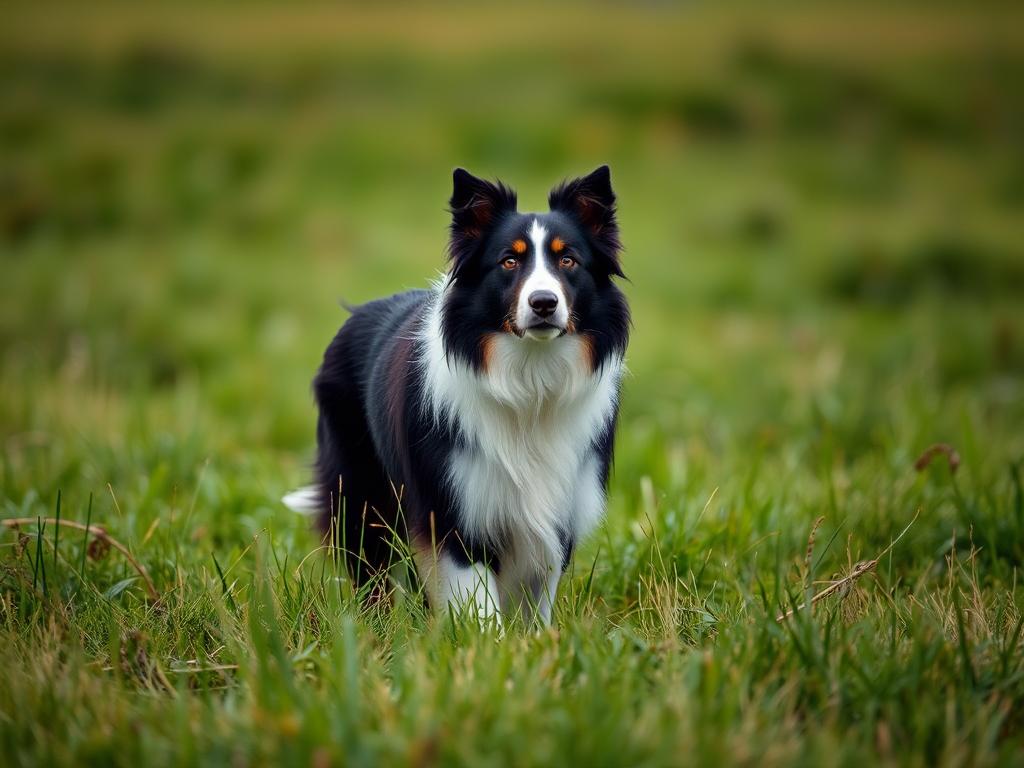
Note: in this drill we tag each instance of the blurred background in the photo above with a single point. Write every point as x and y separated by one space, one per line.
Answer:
821 205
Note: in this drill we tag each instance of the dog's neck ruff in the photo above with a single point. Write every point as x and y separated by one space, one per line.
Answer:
528 423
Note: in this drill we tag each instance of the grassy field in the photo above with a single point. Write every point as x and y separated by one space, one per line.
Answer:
823 210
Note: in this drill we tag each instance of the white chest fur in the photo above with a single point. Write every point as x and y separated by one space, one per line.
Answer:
527 474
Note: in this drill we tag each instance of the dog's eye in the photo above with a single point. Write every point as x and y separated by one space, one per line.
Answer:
510 262
567 262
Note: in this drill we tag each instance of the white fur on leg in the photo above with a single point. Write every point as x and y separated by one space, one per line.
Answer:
472 586
452 586
546 598
530 597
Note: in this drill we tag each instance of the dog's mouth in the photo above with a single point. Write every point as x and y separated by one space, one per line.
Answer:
541 325
541 330
544 331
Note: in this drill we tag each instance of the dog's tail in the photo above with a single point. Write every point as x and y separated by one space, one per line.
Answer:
305 500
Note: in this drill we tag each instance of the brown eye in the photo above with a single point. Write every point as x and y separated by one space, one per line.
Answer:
510 262
567 262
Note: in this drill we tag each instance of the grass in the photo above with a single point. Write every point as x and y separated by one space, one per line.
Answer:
822 211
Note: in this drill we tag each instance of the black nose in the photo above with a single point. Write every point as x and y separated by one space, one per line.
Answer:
543 303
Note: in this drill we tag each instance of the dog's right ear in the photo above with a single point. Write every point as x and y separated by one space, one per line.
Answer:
476 205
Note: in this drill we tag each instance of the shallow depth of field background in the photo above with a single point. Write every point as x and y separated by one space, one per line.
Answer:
823 212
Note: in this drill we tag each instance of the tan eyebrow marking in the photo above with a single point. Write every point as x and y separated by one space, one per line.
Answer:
557 245
519 246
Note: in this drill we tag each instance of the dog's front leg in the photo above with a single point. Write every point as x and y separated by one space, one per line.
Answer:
528 593
470 587
457 587
544 595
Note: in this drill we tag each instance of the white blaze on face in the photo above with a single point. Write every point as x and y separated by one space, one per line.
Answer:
541 279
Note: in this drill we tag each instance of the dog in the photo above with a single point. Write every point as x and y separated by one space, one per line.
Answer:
476 419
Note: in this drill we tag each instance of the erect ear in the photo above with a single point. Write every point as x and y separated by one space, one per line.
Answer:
476 205
591 201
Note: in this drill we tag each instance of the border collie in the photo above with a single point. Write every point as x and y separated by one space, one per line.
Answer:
476 419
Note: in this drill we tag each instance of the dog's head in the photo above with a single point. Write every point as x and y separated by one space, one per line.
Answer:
536 276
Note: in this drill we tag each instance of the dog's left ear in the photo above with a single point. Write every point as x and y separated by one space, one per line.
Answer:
476 205
591 201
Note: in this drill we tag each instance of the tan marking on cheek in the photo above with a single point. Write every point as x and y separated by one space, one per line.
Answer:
487 351
557 245
519 246
570 324
589 352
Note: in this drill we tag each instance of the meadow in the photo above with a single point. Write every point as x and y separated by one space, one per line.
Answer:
823 212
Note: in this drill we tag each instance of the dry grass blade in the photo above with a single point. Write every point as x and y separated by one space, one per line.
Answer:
932 451
810 546
100 534
864 566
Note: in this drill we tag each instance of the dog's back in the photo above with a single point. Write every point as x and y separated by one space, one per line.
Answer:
355 498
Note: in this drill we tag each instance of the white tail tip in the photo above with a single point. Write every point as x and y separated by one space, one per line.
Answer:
305 500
